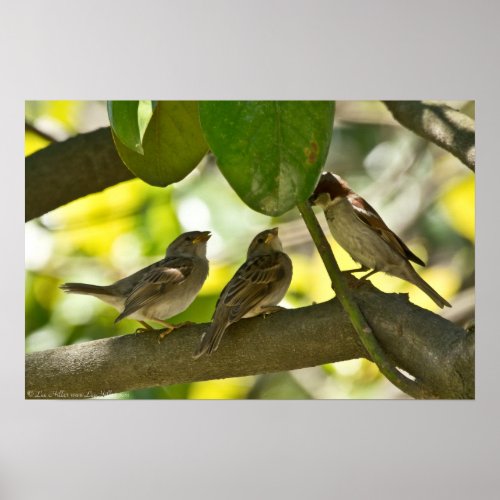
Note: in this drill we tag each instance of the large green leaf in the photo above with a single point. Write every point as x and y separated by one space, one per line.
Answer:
271 152
173 144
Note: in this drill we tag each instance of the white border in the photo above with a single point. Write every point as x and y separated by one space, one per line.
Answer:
259 49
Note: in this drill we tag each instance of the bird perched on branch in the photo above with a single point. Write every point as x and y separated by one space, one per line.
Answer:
362 233
256 288
160 290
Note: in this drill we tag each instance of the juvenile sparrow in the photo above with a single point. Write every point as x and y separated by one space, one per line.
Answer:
362 233
160 290
256 288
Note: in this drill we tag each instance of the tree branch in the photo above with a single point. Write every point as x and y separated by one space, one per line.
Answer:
65 171
437 352
440 124
363 329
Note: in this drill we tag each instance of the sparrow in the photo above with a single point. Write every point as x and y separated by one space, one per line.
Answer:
256 288
362 233
160 290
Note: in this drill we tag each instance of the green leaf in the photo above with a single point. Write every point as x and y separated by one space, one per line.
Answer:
129 120
173 144
271 152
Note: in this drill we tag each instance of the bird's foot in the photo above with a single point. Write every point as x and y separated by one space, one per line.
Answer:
361 269
268 310
163 332
147 328
185 323
170 328
350 280
357 282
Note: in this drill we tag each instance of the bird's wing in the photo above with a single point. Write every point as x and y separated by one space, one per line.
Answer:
250 285
367 214
156 282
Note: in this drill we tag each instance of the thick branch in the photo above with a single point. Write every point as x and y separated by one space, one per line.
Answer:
440 124
438 353
65 171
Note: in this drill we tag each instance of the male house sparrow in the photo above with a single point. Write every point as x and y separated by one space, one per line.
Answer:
160 290
362 233
256 288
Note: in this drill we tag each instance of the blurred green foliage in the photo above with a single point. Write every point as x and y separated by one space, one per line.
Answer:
423 193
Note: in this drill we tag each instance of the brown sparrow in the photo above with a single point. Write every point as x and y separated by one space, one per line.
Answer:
160 290
256 288
362 233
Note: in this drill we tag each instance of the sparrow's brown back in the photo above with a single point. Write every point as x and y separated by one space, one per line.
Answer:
377 224
261 281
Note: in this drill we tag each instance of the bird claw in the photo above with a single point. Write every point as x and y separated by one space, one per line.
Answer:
164 332
185 323
352 281
169 329
361 269
271 310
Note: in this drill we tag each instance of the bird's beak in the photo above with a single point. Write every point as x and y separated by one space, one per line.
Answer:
201 238
273 233
312 198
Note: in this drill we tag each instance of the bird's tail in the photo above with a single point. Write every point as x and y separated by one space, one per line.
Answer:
210 340
417 280
85 289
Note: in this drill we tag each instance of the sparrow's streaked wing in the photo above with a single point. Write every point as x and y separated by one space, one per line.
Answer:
367 214
156 283
251 284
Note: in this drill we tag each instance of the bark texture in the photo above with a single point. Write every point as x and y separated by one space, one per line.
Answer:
68 170
438 353
440 124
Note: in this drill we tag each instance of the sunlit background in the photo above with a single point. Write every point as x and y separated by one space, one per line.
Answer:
423 193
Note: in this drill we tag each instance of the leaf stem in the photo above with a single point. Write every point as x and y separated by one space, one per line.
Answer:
363 329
